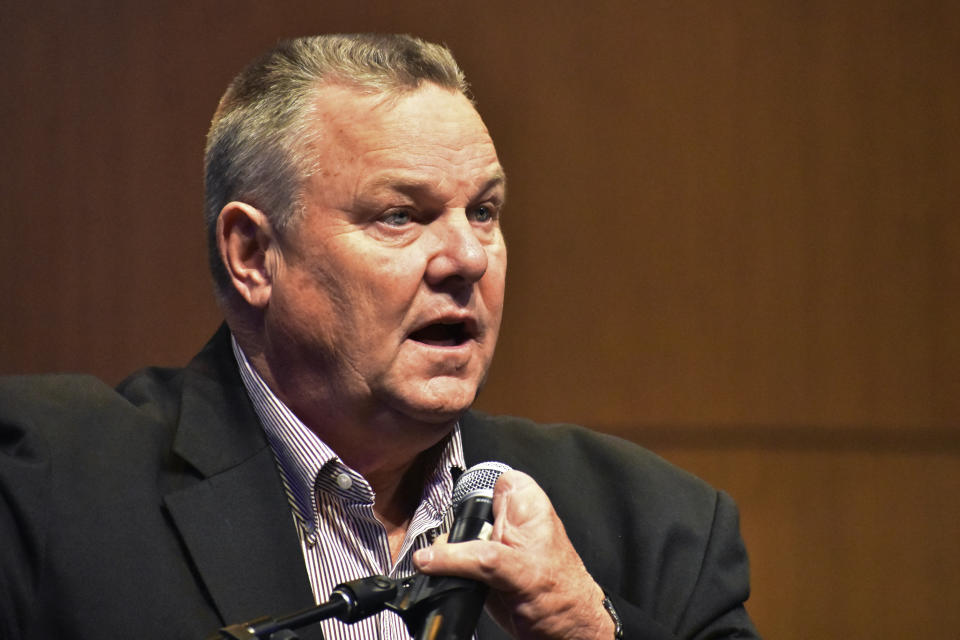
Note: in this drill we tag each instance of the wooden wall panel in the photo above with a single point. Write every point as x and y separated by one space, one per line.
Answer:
851 544
732 228
751 220
738 213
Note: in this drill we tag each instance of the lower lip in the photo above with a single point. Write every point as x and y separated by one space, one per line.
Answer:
461 350
442 360
452 347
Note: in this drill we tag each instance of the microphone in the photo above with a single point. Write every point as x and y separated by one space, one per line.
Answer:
447 607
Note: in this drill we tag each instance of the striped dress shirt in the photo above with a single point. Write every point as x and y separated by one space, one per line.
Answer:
332 507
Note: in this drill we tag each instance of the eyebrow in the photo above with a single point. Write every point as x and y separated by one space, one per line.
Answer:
404 184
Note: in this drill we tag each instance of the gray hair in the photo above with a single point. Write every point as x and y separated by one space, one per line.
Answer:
258 143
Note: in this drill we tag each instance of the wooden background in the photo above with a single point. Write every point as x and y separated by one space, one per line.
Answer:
733 238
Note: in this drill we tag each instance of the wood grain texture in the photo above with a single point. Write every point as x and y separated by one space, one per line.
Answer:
844 544
739 213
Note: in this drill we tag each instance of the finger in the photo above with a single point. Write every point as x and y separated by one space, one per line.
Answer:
487 562
523 514
515 482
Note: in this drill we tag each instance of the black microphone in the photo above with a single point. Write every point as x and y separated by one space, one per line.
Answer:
447 607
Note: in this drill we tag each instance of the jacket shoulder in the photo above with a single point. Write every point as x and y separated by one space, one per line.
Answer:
52 395
570 451
74 410
52 392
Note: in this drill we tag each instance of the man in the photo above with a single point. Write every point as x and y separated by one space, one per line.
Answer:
353 208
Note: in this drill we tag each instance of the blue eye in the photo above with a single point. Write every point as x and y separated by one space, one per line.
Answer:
482 213
396 218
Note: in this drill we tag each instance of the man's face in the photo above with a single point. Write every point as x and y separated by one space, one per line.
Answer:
388 292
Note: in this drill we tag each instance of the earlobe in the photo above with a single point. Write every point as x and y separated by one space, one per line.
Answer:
245 237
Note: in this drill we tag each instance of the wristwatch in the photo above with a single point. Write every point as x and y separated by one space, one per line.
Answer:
617 623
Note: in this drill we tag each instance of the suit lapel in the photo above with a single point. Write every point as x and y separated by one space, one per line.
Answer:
240 536
236 522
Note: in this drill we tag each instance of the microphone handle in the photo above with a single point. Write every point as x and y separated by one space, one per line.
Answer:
455 616
473 520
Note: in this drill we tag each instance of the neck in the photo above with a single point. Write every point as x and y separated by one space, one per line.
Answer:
399 491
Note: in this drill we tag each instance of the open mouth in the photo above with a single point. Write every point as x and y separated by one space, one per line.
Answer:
442 335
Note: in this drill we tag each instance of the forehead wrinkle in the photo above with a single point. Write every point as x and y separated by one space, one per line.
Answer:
415 165
408 183
421 154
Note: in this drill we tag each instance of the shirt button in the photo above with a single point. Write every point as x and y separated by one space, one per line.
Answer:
344 481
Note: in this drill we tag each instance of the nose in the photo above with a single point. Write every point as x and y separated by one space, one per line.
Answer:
458 256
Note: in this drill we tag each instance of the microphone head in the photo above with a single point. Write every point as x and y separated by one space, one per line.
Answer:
478 480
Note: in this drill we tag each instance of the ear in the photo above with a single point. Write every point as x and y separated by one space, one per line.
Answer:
245 238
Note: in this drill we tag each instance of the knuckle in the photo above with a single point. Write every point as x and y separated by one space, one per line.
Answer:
489 560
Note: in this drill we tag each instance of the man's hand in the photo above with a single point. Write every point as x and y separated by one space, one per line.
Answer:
539 586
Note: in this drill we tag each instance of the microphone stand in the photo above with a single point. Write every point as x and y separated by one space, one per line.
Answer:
414 600
439 607
349 602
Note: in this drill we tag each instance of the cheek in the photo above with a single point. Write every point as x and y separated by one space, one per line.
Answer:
379 289
493 283
394 276
312 299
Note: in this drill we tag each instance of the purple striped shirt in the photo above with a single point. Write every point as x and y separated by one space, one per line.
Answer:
332 507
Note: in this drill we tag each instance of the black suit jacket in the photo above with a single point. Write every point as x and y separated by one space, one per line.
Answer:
155 510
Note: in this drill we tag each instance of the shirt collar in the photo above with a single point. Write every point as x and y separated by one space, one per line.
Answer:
307 463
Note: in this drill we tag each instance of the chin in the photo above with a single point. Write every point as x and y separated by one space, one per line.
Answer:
437 413
444 407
